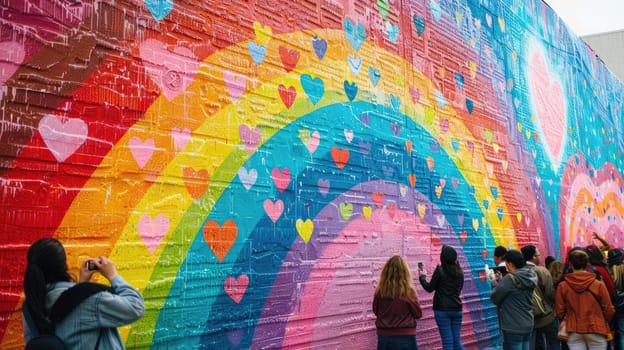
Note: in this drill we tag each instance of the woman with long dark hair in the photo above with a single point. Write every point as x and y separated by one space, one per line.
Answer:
94 320
447 282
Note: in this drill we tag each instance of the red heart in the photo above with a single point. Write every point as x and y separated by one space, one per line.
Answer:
378 198
289 57
287 95
408 146
236 287
340 156
412 180
463 236
220 239
196 182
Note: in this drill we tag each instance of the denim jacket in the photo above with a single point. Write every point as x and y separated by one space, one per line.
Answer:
105 310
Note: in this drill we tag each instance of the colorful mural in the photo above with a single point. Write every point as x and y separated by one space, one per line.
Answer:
250 166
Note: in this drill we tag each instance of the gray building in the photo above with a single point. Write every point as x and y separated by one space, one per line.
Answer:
610 48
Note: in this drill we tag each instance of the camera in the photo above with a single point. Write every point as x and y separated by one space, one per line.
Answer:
91 266
420 266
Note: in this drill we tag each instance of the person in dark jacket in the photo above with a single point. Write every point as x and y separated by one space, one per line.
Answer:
396 306
447 282
514 298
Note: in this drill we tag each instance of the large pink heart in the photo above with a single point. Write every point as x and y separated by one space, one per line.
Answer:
274 210
153 231
236 287
62 136
12 57
281 178
173 71
141 151
550 106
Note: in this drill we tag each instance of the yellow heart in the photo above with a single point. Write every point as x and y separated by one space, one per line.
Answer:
421 210
473 42
367 211
505 165
458 17
305 229
473 69
263 33
519 217
501 24
475 224
528 134
496 147
519 126
438 191
514 56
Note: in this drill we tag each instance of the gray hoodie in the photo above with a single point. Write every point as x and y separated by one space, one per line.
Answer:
514 300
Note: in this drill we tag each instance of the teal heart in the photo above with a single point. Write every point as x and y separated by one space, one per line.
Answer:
313 87
351 90
159 8
356 34
486 203
395 102
374 75
258 52
419 23
499 212
436 10
393 31
469 105
440 98
455 144
494 191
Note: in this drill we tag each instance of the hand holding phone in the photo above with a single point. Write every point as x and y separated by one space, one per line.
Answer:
91 266
420 266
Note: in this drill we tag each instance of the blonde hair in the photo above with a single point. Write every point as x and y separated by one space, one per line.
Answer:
617 273
556 271
396 280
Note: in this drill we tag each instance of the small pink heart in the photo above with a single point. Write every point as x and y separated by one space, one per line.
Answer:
315 140
13 56
274 210
153 231
236 287
250 137
141 151
173 71
62 136
415 94
181 137
281 178
235 83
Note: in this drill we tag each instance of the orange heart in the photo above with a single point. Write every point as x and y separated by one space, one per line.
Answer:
340 156
220 239
412 180
378 198
196 182
408 146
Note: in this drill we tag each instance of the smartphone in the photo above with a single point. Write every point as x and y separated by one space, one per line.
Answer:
420 266
91 266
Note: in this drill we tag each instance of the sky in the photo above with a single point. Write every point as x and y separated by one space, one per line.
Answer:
586 17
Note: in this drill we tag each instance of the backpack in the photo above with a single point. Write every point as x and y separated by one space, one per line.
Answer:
64 305
543 313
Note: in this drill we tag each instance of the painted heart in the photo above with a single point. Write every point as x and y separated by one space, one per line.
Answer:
440 99
412 180
402 190
374 75
499 213
395 102
429 115
415 93
287 95
346 210
444 125
313 87
153 231
455 144
494 191
274 209
289 57
340 156
323 186
247 178
393 31
365 119
422 210
419 23
367 212
305 229
257 52
550 105
460 219
251 137
310 141
378 198
13 56
320 47
384 7
196 182
348 134
235 83
430 163
459 80
388 171
438 191
391 210
365 147
263 33
463 236
173 71
356 34
484 253
355 63
281 178
475 224
63 136
351 89
396 128
141 150
469 105
235 288
180 137
220 239
159 8
436 10
408 146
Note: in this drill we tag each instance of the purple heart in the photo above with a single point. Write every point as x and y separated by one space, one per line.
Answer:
434 146
365 147
396 128
460 219
470 146
250 137
455 183
323 186
235 336
320 47
365 119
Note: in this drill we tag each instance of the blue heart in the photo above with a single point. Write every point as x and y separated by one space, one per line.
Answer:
440 98
419 22
469 105
393 31
355 34
258 52
159 8
320 47
436 10
459 80
455 144
494 191
355 63
395 102
313 87
351 89
499 211
374 74
486 203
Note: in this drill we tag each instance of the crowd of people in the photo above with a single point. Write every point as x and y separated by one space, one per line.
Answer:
577 303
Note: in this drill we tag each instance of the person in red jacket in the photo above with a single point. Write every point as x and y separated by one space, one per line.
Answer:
585 304
396 306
